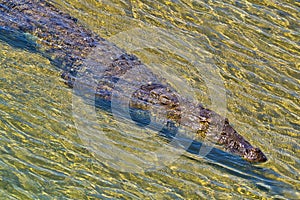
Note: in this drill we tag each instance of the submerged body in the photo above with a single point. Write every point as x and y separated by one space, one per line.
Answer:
66 44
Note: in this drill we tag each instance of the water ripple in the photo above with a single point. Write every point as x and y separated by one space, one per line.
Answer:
255 46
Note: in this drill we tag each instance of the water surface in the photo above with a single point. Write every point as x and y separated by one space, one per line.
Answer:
250 47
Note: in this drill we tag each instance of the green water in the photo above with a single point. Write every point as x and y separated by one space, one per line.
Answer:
251 50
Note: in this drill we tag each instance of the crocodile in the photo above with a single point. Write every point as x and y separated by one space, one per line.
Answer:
66 43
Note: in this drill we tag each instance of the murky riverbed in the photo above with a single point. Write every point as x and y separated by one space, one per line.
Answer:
238 58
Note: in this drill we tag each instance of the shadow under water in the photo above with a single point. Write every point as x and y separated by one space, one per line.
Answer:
19 39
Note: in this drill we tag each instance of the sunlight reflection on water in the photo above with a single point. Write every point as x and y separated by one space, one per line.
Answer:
255 47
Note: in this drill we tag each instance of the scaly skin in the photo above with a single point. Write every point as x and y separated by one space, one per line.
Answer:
66 44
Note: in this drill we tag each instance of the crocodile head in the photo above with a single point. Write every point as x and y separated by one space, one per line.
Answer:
254 155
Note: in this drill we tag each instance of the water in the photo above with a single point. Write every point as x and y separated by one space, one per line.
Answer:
248 50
